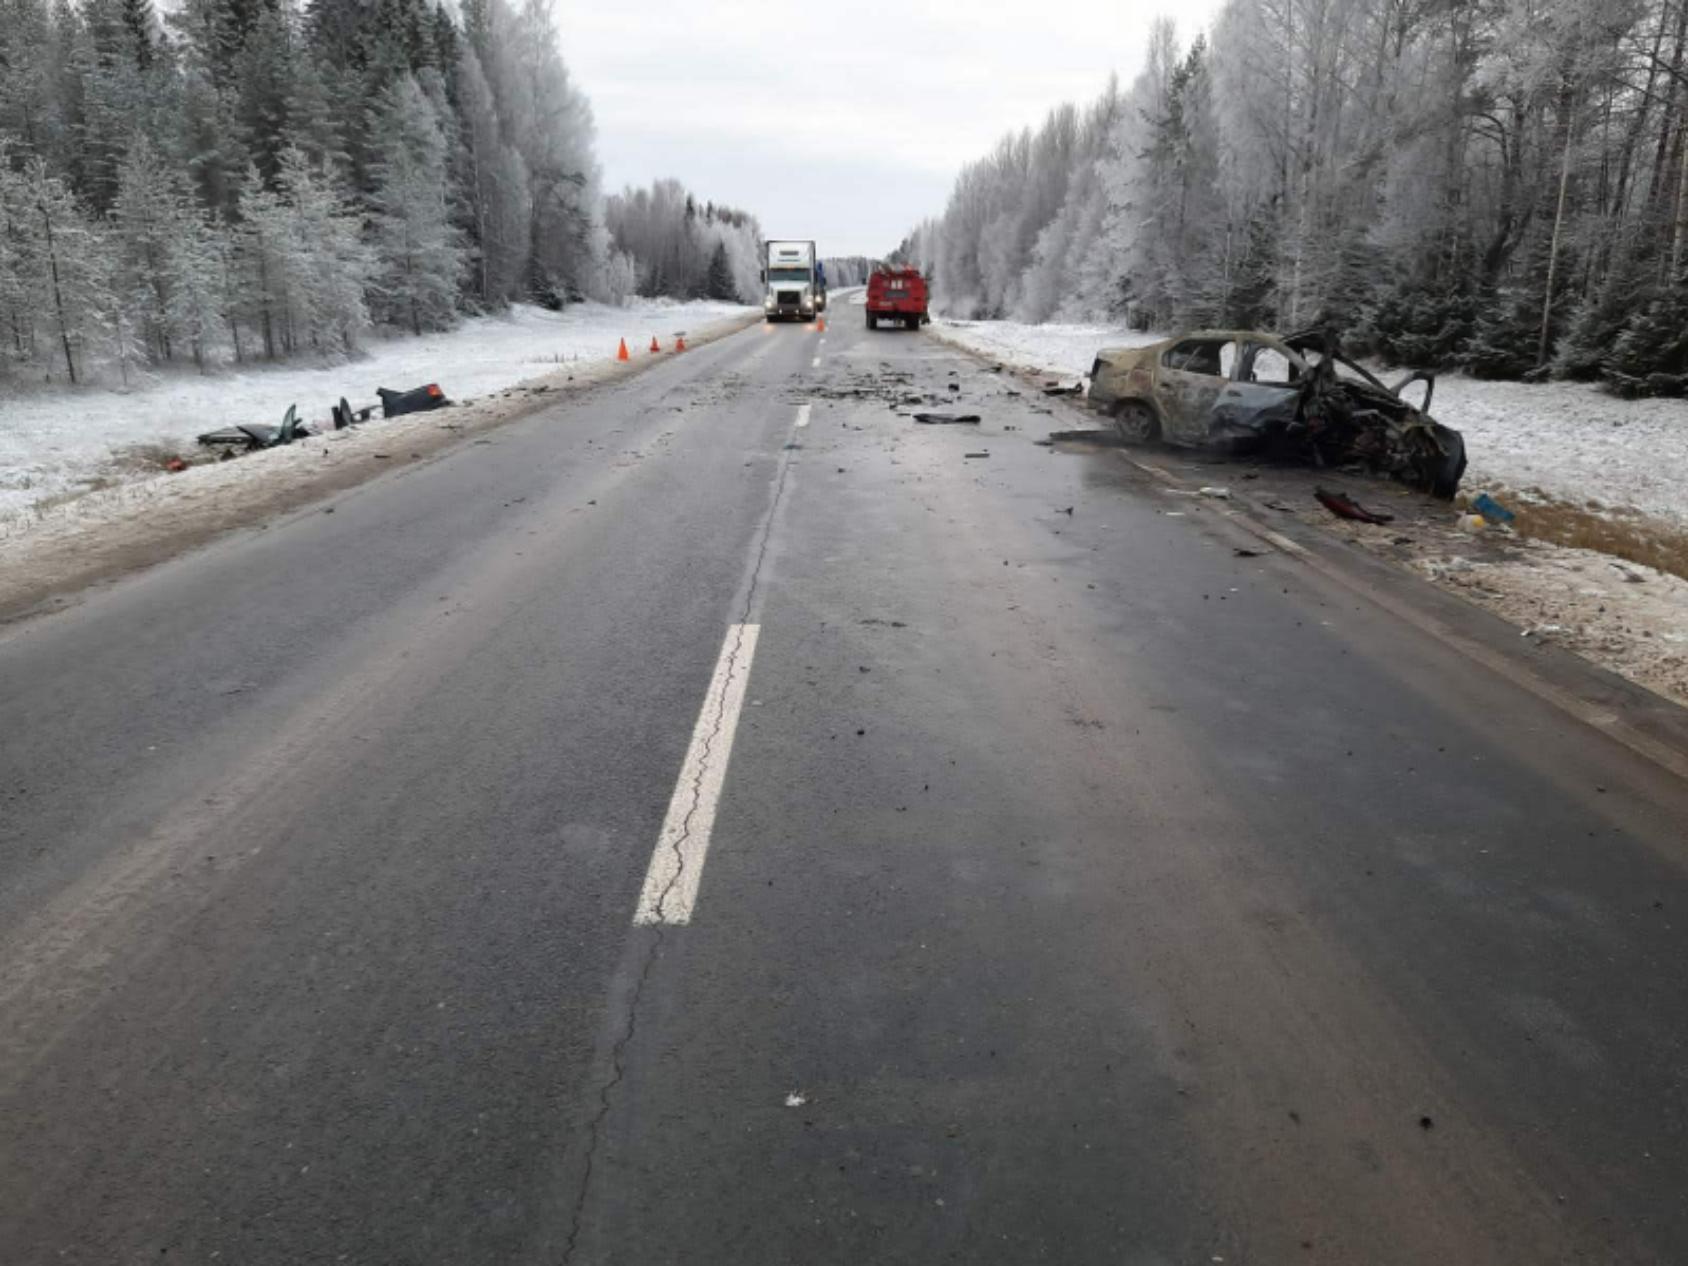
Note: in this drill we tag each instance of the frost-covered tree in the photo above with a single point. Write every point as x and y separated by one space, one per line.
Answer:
498 199
302 269
1502 184
418 252
237 168
674 243
330 269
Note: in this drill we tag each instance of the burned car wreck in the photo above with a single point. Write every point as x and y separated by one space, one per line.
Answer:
1295 398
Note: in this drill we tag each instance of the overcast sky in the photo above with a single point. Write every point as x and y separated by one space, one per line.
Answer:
839 120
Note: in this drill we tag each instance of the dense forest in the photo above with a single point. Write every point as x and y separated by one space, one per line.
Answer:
246 179
1500 185
667 244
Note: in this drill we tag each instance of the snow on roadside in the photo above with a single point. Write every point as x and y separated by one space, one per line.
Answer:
1568 441
1572 442
1067 350
59 442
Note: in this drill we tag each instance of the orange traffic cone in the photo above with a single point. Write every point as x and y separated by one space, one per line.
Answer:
622 353
820 325
680 343
655 346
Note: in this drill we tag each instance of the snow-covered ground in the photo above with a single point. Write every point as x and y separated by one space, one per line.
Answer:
58 442
1569 441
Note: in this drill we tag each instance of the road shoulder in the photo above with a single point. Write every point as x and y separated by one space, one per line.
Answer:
1622 681
104 536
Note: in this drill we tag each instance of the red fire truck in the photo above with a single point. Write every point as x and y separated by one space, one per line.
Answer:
897 294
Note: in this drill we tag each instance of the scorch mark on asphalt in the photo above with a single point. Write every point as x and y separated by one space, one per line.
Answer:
676 867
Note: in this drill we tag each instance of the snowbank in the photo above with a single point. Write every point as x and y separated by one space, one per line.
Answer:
1567 441
59 442
1067 350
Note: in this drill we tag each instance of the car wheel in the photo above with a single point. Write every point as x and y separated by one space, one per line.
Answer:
1136 422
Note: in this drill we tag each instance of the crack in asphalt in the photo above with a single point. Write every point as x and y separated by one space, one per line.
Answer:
653 945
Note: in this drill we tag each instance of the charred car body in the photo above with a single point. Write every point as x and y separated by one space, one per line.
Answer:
1296 397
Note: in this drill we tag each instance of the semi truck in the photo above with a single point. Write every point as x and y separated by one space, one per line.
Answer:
795 281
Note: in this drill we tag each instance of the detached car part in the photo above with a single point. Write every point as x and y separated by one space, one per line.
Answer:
416 400
246 436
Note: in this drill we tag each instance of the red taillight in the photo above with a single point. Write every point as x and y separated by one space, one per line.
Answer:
434 392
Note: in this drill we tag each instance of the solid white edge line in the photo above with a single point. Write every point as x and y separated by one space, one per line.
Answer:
803 414
671 881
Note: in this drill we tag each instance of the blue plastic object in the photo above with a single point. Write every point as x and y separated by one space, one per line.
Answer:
1491 509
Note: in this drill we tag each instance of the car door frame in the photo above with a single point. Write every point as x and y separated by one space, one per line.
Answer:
1184 398
1246 407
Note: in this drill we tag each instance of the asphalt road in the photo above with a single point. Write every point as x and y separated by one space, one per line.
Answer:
686 826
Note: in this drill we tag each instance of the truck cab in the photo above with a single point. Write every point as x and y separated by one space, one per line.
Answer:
794 281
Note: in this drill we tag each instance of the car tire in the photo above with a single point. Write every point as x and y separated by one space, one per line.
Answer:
1136 422
872 321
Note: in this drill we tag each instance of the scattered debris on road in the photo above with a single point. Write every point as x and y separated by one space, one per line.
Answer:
981 453
1345 507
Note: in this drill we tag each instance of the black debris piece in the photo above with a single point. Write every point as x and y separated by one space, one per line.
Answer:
416 400
247 436
947 419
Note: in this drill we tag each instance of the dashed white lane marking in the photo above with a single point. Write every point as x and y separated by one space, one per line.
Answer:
816 363
671 882
803 414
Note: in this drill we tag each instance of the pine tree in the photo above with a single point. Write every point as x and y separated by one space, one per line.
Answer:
260 289
499 210
719 282
418 250
329 267
17 307
1653 346
144 227
66 264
